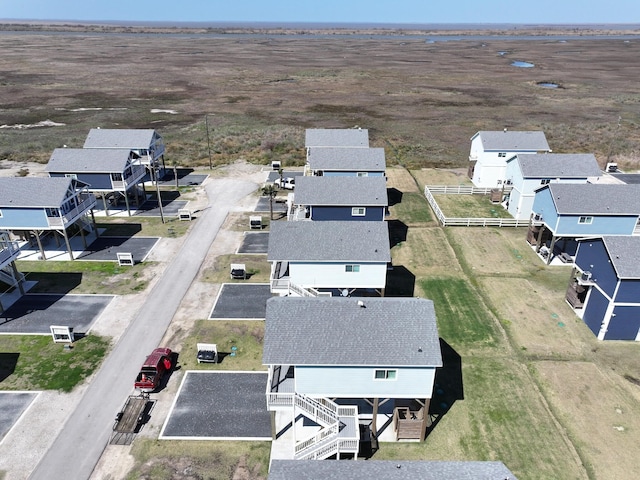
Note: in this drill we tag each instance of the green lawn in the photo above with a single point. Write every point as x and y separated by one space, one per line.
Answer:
412 209
142 226
258 268
470 206
34 362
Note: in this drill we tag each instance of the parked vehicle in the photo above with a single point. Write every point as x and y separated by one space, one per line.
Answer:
153 369
287 183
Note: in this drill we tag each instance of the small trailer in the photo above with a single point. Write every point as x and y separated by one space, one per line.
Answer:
238 271
130 419
255 222
207 352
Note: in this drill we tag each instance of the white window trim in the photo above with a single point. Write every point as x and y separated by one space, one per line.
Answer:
386 374
355 268
71 175
355 211
585 220
362 174
545 181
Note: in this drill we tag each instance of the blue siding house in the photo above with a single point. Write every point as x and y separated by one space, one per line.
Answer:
35 205
566 212
9 274
526 173
325 358
339 199
342 258
605 286
114 172
146 143
345 161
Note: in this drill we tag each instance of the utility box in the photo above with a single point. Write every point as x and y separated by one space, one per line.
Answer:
125 259
62 333
255 222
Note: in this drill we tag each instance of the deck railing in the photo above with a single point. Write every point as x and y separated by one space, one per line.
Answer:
8 249
88 202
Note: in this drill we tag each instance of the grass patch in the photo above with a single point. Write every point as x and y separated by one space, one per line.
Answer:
463 319
143 226
257 267
413 209
239 221
426 252
246 336
440 176
85 277
156 460
34 362
470 206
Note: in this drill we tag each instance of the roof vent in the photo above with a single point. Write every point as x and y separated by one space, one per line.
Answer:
505 129
361 304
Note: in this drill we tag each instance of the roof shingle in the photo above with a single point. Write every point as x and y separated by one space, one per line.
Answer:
341 191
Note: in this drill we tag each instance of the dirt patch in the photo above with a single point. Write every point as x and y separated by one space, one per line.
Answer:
441 176
400 179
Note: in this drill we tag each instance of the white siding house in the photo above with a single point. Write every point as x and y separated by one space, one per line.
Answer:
491 150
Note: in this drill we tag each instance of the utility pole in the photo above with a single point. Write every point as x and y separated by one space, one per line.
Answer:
206 122
154 175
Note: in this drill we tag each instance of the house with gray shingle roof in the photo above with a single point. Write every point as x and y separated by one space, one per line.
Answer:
326 356
111 173
146 143
605 286
564 212
527 172
491 150
336 137
339 198
345 161
9 274
33 205
341 258
389 470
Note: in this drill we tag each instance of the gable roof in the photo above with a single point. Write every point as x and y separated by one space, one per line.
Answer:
513 140
338 331
347 159
557 165
388 470
328 241
39 192
133 138
341 191
94 160
624 252
594 199
336 137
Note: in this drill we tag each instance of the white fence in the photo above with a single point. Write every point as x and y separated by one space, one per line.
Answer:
429 190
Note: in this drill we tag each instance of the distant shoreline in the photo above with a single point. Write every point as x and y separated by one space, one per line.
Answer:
321 29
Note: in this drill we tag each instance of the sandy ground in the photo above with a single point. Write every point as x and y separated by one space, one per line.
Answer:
30 438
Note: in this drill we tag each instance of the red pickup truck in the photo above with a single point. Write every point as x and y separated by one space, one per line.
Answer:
153 369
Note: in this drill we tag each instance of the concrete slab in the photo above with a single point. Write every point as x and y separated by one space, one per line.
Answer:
219 406
263 206
238 301
186 177
274 175
12 406
33 314
254 242
107 248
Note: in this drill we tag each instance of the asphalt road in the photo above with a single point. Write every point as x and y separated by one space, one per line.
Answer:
78 447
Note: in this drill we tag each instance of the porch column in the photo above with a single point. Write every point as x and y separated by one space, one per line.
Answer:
66 240
425 419
374 420
104 204
126 202
84 240
44 257
16 277
93 222
553 245
539 240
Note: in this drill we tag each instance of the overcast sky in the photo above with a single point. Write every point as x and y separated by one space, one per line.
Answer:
345 11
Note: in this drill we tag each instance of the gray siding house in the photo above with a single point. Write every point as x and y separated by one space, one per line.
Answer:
328 258
345 161
326 363
339 199
108 172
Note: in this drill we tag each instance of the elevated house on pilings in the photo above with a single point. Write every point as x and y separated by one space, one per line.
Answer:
563 213
344 368
147 144
9 274
38 206
111 173
345 162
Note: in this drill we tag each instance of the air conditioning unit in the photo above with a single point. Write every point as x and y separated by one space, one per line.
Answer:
537 217
586 276
612 167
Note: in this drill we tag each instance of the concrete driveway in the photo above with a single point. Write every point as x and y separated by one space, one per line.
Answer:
12 406
254 242
241 301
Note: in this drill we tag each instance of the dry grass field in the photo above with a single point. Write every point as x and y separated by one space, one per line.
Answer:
538 391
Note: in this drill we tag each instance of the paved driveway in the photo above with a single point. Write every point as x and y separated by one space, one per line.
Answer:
254 242
107 248
241 301
220 406
12 406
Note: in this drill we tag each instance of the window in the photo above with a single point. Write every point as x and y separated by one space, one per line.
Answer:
585 220
0 213
71 175
358 212
385 374
545 181
363 174
502 154
352 268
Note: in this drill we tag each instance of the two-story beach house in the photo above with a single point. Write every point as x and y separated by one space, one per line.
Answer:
111 173
605 286
339 198
146 143
9 274
527 172
338 363
491 150
564 212
44 205
345 161
334 258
